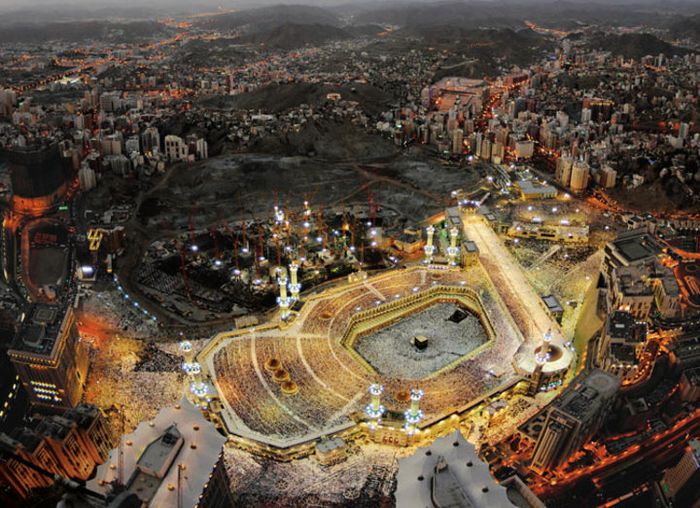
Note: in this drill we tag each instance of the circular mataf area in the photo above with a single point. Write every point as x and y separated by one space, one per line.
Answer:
451 333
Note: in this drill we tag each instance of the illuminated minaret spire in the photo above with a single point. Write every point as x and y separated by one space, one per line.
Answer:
279 215
283 299
294 286
453 250
413 415
429 247
543 355
374 409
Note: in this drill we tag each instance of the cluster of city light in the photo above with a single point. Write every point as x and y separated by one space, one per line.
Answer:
134 303
192 368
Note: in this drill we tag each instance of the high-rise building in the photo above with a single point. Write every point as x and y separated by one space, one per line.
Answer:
40 176
586 115
8 98
70 445
457 141
175 148
176 459
112 144
50 360
202 149
150 140
524 149
87 178
579 177
608 177
485 151
132 145
563 171
622 342
450 473
681 483
689 384
573 418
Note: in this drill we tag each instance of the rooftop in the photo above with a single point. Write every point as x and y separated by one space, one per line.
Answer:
40 329
179 440
693 375
623 325
552 303
584 396
636 247
449 474
530 187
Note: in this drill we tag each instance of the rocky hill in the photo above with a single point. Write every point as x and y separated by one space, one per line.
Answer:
296 35
266 18
634 45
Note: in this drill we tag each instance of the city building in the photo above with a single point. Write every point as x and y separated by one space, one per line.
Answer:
448 473
621 344
176 459
50 360
40 177
331 451
684 351
175 148
681 483
549 232
579 177
690 384
530 189
70 445
573 418
631 292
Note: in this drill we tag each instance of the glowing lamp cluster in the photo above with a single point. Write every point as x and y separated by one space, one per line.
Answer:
199 389
192 368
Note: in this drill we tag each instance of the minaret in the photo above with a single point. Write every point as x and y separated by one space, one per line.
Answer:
283 300
279 215
193 369
294 286
413 415
374 409
543 355
186 349
453 250
429 248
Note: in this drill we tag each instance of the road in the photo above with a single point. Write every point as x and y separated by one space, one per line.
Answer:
608 472
508 277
